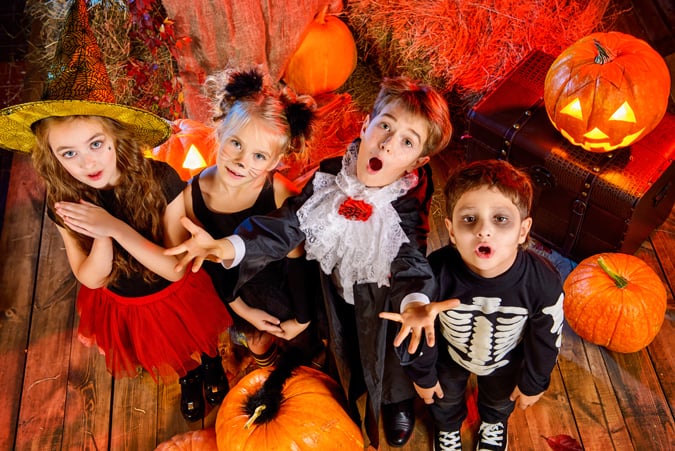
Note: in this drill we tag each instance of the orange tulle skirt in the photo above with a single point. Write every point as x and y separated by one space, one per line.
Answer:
162 333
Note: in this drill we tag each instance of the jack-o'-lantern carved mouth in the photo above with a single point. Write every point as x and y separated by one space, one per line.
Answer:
596 139
602 145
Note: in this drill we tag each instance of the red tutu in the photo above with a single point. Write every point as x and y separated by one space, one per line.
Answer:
161 332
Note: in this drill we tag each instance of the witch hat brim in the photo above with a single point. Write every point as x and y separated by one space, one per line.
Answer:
16 121
78 84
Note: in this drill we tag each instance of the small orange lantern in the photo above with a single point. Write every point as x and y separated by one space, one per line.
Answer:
191 147
606 91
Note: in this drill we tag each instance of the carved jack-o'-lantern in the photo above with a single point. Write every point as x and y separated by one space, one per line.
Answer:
191 147
607 91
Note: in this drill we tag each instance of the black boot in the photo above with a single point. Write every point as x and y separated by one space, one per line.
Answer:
216 385
191 396
398 421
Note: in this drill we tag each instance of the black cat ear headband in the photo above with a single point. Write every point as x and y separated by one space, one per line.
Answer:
248 83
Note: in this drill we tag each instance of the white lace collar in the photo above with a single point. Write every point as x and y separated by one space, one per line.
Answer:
352 230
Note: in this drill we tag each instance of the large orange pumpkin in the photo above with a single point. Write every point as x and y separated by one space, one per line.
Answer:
615 300
325 59
606 91
285 409
191 147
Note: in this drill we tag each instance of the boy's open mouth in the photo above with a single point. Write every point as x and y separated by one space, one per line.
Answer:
375 164
484 251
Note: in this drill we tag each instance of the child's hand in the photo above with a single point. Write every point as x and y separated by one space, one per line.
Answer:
87 218
290 329
200 247
523 401
418 318
263 321
427 394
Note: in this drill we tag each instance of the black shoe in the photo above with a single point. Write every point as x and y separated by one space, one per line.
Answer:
191 396
216 385
398 421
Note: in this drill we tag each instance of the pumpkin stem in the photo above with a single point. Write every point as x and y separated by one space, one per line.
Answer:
604 56
256 414
269 397
619 280
321 16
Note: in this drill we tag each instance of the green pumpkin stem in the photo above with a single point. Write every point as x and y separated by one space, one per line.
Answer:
619 280
604 56
256 414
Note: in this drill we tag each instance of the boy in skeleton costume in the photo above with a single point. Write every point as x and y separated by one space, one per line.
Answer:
363 218
507 327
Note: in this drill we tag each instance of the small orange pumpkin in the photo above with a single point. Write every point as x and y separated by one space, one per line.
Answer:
325 59
286 408
607 91
191 147
199 440
615 300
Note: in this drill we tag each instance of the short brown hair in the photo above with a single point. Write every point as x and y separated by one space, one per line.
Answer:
512 182
423 101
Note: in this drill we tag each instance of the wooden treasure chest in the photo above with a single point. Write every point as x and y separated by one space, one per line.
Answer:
585 203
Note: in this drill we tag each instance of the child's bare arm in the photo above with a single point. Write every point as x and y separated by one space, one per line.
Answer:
260 319
92 269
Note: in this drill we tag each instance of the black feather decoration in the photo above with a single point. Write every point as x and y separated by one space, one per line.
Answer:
299 118
268 399
244 84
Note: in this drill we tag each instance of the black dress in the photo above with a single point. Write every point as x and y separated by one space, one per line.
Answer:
269 290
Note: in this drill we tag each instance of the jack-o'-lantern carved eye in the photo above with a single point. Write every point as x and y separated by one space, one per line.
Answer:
194 159
573 109
623 113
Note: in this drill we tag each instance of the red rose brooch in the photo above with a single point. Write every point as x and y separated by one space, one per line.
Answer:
355 210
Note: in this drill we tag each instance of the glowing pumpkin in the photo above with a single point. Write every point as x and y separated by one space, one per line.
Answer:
325 59
191 147
615 300
606 91
288 408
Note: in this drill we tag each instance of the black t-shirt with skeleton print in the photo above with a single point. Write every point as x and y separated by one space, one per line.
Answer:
519 308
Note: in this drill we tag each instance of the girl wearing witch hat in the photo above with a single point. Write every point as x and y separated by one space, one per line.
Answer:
116 211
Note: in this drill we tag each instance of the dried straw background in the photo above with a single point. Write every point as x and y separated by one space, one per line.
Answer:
464 47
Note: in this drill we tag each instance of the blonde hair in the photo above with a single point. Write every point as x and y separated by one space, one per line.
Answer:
240 95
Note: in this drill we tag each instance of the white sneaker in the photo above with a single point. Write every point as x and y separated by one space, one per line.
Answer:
447 441
492 437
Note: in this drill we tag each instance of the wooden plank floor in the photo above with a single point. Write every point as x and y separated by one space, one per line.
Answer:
55 394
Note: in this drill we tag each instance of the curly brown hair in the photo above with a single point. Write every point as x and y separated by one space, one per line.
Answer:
139 198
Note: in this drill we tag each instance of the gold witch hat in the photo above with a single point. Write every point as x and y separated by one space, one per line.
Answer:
77 84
